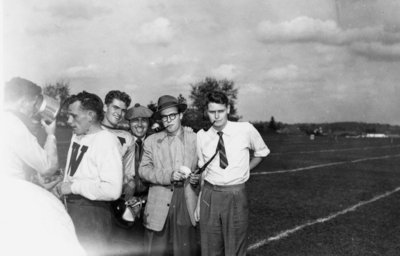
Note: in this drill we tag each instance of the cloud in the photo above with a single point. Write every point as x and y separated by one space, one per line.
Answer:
290 72
172 61
227 71
377 51
305 29
90 70
77 10
158 31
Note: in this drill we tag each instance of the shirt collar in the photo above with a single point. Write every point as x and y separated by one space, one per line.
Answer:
179 135
227 129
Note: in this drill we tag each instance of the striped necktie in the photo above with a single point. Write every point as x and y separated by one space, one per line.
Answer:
223 161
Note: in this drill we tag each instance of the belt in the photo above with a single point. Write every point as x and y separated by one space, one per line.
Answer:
178 184
80 200
235 187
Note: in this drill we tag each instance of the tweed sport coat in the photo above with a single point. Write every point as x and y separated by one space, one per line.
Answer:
155 168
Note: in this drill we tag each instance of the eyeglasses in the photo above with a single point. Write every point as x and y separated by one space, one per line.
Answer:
171 117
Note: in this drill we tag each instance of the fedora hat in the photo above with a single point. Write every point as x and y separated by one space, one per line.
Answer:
138 111
167 101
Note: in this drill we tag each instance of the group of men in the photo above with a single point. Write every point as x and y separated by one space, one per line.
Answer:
195 183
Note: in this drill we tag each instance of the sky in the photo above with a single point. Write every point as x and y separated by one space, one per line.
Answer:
297 60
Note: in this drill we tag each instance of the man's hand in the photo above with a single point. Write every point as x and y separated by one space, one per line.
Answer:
187 129
194 179
177 175
129 189
49 128
64 188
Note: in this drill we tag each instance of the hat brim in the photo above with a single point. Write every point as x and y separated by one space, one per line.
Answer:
181 108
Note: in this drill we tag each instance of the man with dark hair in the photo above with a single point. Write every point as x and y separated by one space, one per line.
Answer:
22 152
116 104
222 207
168 160
93 173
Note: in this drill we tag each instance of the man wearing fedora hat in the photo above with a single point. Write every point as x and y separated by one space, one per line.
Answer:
168 161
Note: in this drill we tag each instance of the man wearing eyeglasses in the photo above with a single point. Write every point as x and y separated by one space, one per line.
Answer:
168 162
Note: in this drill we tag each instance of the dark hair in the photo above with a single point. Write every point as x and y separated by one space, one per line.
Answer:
217 97
111 95
89 101
18 88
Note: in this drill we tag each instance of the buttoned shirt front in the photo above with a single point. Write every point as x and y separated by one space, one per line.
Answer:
239 138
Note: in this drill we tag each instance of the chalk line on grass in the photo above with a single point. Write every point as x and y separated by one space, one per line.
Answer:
332 150
288 232
326 165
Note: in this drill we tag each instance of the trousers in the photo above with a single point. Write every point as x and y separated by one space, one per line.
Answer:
223 220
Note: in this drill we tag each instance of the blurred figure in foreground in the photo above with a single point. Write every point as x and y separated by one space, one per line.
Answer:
22 154
36 223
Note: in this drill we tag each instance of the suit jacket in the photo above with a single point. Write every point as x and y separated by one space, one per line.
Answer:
156 168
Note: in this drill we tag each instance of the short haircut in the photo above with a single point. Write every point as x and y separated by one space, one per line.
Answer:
89 101
122 96
18 88
217 97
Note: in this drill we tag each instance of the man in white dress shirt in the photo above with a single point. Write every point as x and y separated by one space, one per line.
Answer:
93 172
222 207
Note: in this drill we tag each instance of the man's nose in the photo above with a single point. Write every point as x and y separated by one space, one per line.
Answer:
216 115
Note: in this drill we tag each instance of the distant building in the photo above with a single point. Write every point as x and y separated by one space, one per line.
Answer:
375 135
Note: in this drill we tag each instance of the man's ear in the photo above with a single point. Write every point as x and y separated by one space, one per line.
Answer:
105 108
92 115
228 110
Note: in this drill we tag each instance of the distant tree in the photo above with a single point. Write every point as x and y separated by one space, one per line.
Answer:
182 99
152 106
59 91
272 125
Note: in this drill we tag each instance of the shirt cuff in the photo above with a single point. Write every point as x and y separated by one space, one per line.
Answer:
262 153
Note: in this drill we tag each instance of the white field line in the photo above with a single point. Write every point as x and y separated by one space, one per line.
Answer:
325 165
332 150
288 232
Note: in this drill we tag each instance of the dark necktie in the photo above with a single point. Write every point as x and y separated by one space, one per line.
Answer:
223 161
138 153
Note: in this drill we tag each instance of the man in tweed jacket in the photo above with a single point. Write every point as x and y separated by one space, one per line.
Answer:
167 164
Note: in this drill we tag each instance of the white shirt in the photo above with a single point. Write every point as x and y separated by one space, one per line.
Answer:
99 174
127 142
22 152
34 222
239 138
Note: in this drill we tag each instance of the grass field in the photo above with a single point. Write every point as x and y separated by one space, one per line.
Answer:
320 197
288 208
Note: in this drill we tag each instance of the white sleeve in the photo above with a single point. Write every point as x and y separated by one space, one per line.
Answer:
20 141
108 159
257 143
